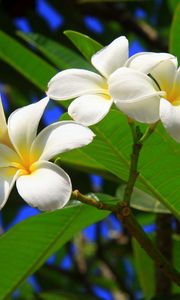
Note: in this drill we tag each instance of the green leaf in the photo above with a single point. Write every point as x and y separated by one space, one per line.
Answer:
143 201
173 4
159 162
86 45
35 69
59 55
28 244
175 33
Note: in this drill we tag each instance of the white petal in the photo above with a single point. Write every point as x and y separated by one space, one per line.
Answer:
8 177
89 109
146 61
48 187
7 156
135 94
60 137
165 75
111 57
146 111
23 124
74 83
170 117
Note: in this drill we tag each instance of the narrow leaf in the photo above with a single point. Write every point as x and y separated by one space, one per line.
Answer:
86 45
35 69
59 55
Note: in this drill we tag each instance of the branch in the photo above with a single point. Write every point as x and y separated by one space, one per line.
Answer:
125 215
128 220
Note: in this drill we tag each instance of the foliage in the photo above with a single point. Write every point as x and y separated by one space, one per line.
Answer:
105 261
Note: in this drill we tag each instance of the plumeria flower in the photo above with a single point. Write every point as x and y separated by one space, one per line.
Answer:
91 90
150 98
24 156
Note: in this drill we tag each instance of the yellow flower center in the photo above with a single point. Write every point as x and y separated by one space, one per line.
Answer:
106 93
174 96
25 169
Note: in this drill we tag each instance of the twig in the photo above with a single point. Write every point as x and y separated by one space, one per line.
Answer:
92 202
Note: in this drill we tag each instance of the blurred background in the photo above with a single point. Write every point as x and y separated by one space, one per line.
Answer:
98 262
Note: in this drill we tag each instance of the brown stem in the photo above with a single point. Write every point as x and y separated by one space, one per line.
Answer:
125 215
164 244
128 220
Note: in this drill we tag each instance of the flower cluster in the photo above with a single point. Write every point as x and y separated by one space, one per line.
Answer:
146 87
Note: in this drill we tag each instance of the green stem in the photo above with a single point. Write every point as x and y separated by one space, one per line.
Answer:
133 173
92 202
125 215
148 132
138 140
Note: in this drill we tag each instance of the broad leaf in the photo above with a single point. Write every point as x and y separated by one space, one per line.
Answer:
159 163
175 33
143 201
86 45
59 55
35 69
27 245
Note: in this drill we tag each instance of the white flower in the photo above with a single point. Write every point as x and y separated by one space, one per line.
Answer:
90 89
142 97
24 156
